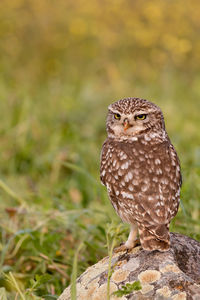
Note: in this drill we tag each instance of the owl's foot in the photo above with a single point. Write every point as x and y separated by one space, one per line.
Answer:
127 246
121 248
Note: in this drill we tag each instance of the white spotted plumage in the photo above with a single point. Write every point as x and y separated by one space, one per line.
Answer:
141 170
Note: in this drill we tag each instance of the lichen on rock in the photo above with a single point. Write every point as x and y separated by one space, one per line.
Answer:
149 276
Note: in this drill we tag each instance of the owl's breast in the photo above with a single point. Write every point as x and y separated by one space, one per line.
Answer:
129 166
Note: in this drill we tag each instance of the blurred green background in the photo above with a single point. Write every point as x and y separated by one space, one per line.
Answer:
62 63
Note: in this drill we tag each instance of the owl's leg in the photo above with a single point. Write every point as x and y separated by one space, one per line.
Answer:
132 240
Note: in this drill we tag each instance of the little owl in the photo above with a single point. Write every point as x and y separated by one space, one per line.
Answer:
141 170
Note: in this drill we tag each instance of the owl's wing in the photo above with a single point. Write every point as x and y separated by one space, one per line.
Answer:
176 182
157 200
104 162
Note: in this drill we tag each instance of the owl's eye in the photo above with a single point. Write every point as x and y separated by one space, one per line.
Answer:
117 116
141 117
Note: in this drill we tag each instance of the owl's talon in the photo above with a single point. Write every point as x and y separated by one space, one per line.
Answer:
136 243
124 247
121 248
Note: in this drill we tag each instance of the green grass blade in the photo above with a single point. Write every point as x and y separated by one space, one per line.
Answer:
11 193
3 294
74 273
81 171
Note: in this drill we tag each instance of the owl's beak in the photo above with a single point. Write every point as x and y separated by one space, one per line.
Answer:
126 124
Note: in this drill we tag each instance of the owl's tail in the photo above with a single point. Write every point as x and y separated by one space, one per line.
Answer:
155 238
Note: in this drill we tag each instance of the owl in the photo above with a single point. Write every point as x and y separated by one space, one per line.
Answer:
141 171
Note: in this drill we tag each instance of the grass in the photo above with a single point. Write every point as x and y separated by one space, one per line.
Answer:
113 233
74 273
61 67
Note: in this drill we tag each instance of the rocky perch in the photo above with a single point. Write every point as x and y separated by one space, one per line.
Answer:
174 274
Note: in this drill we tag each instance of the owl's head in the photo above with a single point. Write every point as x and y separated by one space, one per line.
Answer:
132 117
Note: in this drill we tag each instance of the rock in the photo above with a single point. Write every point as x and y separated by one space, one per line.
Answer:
174 274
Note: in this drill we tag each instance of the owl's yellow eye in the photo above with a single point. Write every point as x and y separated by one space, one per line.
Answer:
117 116
141 117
